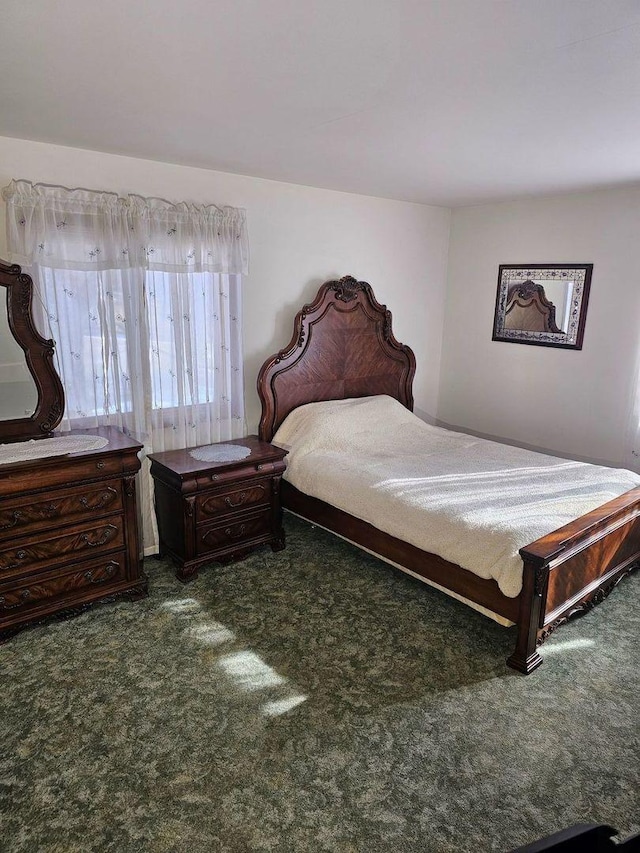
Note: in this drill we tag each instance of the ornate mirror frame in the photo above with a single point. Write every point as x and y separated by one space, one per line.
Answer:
39 357
522 285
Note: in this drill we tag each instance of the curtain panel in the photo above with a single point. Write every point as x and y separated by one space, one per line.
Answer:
143 298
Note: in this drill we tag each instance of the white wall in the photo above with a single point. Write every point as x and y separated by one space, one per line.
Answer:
299 237
572 402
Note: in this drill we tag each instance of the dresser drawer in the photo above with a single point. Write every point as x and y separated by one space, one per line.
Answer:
27 515
57 547
65 470
47 587
218 503
223 537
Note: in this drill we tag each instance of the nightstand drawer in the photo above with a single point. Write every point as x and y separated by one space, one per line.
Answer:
241 473
242 532
31 555
248 496
47 587
67 505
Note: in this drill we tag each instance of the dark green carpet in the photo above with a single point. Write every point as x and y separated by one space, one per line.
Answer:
312 700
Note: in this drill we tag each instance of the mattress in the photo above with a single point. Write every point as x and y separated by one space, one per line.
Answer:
471 501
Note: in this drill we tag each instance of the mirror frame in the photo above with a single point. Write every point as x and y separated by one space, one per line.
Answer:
512 274
39 357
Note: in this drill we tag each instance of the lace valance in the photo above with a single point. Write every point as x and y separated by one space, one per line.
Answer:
89 230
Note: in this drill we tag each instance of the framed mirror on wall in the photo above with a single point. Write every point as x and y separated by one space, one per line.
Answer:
542 304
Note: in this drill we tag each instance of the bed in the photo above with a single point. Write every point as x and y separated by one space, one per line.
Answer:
343 349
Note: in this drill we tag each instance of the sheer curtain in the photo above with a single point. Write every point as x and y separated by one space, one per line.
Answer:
143 299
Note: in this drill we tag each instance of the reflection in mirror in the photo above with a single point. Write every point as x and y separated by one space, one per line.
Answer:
18 392
538 306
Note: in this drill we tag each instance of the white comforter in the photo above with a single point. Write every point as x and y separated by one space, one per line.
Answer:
472 502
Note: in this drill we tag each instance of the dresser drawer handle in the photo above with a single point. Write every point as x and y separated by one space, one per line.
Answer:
16 518
106 572
25 595
106 536
235 534
103 499
241 499
99 464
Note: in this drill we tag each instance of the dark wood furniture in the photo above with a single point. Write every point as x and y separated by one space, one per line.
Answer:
217 511
343 346
38 353
68 524
583 838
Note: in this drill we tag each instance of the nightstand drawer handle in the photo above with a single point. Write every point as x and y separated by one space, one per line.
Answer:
235 534
241 499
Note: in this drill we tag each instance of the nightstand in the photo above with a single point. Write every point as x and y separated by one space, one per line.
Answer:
218 510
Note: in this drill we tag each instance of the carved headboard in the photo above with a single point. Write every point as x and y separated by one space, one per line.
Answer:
342 346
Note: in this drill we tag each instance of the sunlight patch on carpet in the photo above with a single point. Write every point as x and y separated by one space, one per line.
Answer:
182 605
281 706
568 646
211 633
249 671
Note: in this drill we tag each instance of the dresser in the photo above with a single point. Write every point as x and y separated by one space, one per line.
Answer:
69 532
218 511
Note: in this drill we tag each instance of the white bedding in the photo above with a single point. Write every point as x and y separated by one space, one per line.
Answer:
471 501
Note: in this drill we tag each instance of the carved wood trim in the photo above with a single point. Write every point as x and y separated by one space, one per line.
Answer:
130 486
587 604
39 358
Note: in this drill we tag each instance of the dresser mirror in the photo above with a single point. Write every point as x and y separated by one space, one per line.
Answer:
31 394
18 392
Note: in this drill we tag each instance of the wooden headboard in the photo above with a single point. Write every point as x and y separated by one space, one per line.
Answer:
342 346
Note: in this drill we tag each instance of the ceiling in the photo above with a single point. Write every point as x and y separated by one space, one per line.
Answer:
446 102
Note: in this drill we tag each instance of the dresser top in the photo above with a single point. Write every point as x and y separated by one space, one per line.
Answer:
182 463
117 443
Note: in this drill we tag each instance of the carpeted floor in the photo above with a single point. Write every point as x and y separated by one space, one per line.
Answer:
313 700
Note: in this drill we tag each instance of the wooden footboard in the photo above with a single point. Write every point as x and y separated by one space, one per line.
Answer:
572 569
